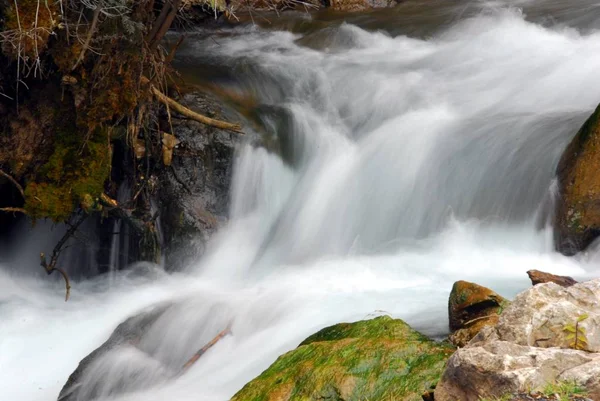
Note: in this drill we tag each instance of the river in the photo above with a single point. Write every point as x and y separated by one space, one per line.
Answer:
405 149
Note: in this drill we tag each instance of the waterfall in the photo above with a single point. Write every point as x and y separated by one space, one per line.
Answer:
384 164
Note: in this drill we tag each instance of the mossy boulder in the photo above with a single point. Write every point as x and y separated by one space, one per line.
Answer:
577 220
471 307
378 359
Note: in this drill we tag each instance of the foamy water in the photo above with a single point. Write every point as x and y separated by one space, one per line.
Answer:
405 164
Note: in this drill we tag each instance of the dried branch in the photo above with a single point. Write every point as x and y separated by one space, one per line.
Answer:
181 109
13 210
51 267
159 21
164 27
16 184
203 350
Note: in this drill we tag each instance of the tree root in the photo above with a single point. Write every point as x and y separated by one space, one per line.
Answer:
181 109
203 350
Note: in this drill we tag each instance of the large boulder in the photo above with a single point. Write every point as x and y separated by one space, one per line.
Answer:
577 220
378 359
472 307
532 344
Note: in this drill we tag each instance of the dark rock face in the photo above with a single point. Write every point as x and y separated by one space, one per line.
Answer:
577 219
194 190
127 333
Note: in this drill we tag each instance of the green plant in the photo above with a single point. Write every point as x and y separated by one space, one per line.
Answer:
576 333
564 389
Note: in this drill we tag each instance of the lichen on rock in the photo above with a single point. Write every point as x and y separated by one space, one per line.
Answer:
378 359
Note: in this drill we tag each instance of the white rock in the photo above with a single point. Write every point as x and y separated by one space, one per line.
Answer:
528 348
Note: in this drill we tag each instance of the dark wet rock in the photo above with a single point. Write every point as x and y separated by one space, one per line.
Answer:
539 277
472 307
127 334
577 220
194 192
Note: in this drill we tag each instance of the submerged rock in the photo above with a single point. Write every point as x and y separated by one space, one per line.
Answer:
378 359
532 344
472 307
538 277
577 220
82 386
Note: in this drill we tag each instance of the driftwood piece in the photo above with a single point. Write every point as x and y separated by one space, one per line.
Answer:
539 277
203 350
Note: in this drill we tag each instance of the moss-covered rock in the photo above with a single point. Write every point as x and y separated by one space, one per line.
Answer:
378 359
578 208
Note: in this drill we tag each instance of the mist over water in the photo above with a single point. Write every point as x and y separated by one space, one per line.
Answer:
394 164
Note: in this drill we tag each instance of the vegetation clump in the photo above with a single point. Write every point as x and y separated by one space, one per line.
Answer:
558 391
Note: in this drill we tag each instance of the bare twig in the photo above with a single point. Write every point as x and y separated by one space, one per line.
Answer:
13 210
51 267
171 54
16 184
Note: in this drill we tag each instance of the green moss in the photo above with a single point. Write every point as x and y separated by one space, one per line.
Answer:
76 171
377 359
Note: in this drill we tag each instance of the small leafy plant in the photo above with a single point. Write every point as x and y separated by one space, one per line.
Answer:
564 390
576 334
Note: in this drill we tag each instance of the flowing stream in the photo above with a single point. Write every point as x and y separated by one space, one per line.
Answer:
402 150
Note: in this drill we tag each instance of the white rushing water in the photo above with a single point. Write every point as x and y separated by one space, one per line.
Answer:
410 163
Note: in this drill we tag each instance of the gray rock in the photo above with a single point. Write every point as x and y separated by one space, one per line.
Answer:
588 375
529 348
538 317
495 368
